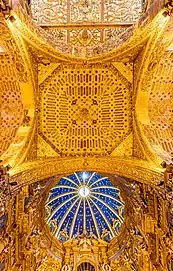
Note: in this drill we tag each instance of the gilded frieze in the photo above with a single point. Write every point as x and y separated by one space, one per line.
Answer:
38 170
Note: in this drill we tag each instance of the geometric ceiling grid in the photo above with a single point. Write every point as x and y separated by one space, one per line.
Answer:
85 110
84 203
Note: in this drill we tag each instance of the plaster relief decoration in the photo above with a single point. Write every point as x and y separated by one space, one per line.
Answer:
58 12
88 42
85 110
111 20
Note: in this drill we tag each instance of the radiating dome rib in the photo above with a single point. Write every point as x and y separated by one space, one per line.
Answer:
84 216
94 219
60 196
64 217
108 196
62 186
90 178
59 207
99 180
104 217
110 208
105 187
74 219
77 178
70 180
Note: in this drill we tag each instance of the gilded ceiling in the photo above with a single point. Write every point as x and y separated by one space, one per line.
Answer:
70 24
92 107
85 110
83 91
51 13
17 101
11 102
160 129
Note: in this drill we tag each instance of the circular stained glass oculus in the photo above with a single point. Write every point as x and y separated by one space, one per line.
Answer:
84 191
84 203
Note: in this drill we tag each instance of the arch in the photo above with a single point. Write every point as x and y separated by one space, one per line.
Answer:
18 106
141 171
146 82
38 39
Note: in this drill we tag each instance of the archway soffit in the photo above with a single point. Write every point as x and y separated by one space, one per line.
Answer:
141 171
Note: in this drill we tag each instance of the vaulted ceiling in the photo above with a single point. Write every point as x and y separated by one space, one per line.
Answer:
87 94
57 106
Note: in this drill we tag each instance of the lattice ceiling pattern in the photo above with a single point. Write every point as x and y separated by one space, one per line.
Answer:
84 203
11 102
75 11
85 110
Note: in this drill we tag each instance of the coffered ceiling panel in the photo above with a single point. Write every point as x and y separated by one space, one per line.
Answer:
85 110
